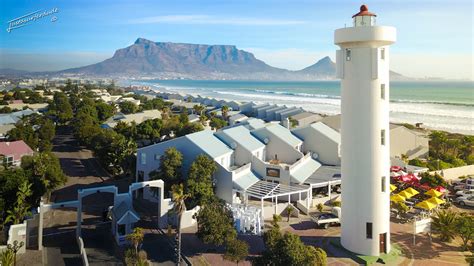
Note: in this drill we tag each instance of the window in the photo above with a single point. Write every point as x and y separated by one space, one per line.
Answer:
121 229
258 154
368 230
143 158
382 53
382 91
382 136
383 183
348 54
157 157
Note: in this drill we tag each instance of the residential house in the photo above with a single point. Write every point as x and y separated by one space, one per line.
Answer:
13 151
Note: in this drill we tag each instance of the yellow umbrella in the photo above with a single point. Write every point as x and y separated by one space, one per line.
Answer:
436 200
426 205
397 198
405 194
412 191
392 188
433 193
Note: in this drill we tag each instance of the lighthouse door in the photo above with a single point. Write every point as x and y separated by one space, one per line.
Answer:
383 245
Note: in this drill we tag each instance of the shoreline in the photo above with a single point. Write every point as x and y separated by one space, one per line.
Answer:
326 105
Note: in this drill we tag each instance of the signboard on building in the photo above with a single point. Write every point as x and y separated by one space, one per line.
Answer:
272 172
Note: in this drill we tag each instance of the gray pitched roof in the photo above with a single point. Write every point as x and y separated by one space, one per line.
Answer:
241 136
305 170
209 143
278 131
245 181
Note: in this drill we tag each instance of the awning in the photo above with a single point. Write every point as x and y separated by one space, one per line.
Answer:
245 181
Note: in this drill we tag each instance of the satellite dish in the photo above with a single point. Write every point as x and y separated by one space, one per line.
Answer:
233 145
266 140
315 155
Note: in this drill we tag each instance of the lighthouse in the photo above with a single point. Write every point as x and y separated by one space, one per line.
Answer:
363 67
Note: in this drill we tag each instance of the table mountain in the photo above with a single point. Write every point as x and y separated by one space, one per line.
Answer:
146 58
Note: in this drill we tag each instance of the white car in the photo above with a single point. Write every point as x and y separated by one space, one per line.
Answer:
465 201
465 193
463 184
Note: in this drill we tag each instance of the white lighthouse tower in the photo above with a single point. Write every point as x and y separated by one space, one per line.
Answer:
363 67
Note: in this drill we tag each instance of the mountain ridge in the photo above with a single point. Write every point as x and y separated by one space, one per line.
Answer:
168 60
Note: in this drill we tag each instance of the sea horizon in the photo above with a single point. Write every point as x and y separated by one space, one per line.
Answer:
439 105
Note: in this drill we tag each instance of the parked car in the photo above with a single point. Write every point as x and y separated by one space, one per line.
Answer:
327 219
465 193
465 184
465 201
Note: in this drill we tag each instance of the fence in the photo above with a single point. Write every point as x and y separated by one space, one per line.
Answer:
454 173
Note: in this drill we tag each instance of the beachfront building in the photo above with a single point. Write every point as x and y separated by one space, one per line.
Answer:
403 141
261 164
322 141
305 118
362 64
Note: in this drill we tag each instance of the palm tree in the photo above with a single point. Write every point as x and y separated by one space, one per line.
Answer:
179 197
136 238
198 109
444 224
165 112
225 112
289 211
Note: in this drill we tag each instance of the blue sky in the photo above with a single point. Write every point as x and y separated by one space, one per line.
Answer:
434 37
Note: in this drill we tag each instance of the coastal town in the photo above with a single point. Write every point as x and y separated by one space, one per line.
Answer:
251 163
128 171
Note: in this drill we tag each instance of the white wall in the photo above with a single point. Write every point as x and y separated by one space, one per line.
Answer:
404 141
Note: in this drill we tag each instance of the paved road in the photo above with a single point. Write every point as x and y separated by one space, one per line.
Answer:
83 171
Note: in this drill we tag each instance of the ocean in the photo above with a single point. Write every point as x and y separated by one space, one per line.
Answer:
439 105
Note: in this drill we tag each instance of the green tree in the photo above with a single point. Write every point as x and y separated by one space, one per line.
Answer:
46 135
127 107
437 142
45 172
217 123
465 229
170 168
287 249
21 208
199 182
190 128
150 129
61 107
24 131
104 110
236 250
10 181
179 207
215 222
443 224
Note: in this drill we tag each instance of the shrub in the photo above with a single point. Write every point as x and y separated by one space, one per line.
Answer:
320 207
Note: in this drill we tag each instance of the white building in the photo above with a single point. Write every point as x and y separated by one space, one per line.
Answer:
363 67
321 140
255 161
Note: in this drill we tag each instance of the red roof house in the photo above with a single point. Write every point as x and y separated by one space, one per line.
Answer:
14 151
